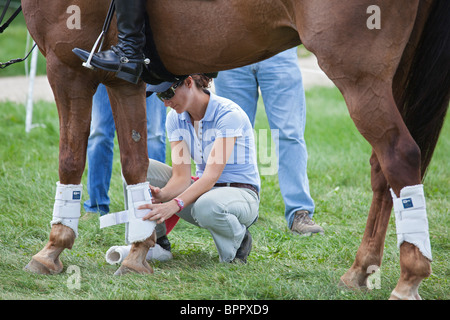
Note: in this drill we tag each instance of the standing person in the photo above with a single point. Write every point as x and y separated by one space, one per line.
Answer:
101 145
280 81
218 136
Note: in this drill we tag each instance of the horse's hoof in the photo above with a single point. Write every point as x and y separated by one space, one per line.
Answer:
37 267
351 284
397 296
343 285
123 270
143 269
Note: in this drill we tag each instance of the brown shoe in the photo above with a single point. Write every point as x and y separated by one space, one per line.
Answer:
303 225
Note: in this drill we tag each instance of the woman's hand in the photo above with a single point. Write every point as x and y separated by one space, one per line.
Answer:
157 194
160 212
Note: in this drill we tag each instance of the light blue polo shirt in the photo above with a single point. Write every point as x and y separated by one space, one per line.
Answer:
223 118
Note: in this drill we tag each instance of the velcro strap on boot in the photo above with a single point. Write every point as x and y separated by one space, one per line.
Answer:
66 209
136 229
115 218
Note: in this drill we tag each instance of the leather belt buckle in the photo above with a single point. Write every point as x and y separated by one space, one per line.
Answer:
237 185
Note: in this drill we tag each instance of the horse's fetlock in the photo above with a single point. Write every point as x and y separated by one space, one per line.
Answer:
62 236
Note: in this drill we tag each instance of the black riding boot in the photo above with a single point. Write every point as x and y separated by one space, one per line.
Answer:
127 57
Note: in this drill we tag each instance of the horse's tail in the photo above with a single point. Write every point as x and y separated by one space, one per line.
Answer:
423 95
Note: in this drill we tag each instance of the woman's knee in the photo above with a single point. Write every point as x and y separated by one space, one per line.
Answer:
205 210
158 173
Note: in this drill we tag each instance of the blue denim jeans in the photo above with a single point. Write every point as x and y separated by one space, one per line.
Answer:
101 144
280 82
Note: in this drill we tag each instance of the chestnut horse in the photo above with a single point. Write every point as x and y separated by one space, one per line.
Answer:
390 62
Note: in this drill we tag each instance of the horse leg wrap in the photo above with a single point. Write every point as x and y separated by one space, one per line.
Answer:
411 218
136 229
66 209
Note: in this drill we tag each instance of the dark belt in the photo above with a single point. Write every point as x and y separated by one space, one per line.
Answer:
237 185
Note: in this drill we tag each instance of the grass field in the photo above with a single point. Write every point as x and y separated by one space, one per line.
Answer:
281 265
13 45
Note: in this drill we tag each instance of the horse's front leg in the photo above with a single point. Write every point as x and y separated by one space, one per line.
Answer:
73 92
129 110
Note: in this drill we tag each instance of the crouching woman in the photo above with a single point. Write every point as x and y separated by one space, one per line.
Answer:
217 134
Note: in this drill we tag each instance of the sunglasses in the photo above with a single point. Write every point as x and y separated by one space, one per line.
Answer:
169 93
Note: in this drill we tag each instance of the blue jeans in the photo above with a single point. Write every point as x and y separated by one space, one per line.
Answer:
101 145
280 81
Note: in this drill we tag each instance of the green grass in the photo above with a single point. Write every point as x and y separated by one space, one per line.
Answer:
13 46
281 265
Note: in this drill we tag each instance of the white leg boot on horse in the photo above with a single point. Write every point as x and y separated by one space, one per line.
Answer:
141 234
66 213
413 241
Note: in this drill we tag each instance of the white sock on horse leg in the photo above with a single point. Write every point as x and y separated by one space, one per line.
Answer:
66 209
137 229
411 218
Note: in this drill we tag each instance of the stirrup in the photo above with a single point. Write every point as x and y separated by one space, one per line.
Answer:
87 64
105 29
